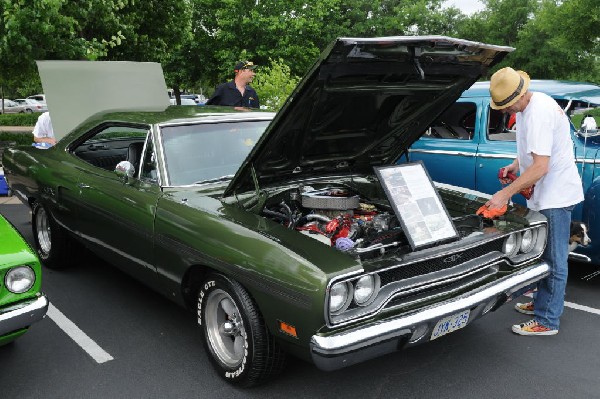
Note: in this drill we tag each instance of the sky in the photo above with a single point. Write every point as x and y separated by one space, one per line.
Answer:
466 6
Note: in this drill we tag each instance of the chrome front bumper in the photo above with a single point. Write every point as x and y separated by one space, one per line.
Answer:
23 314
365 342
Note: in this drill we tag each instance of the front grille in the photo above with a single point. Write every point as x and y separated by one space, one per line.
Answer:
437 264
444 288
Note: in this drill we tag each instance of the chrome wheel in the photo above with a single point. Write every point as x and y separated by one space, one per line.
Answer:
225 328
42 227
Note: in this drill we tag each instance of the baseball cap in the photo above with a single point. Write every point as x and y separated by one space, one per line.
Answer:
244 65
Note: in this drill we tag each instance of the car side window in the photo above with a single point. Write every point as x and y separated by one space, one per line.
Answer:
113 144
499 126
457 122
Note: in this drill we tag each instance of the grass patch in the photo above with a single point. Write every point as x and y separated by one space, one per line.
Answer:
17 138
18 119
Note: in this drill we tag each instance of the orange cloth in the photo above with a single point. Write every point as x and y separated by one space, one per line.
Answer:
491 213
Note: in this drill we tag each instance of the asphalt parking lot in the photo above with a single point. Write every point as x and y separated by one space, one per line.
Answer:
108 336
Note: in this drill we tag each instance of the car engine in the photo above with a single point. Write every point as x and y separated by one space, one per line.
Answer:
342 219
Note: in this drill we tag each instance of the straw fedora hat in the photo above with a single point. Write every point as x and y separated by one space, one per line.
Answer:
507 86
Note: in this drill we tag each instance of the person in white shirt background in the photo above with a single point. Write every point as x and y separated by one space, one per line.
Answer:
589 123
43 131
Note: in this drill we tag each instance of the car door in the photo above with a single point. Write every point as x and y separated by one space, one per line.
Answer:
449 147
117 214
497 148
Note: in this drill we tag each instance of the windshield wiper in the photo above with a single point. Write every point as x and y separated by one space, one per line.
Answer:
215 180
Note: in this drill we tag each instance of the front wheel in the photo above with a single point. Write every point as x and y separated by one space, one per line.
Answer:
241 348
52 243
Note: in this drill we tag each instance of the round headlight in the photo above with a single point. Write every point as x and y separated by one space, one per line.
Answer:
19 279
364 289
338 297
511 244
528 240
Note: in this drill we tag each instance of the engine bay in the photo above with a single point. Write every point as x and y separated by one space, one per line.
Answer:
343 219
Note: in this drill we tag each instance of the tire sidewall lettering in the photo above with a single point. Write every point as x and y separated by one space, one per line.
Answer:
240 370
205 288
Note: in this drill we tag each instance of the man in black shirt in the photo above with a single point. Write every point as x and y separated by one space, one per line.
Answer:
237 92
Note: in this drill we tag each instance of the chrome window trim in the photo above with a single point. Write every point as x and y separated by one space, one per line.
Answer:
587 161
497 156
151 136
444 152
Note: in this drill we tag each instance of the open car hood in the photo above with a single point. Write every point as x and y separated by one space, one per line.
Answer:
363 103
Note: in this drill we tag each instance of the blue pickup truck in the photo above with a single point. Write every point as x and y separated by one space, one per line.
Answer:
469 142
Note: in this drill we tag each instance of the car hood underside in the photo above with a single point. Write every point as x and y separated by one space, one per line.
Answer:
362 105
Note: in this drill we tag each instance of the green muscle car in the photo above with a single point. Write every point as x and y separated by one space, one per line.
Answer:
296 232
21 302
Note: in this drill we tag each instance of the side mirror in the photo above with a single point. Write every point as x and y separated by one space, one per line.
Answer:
125 170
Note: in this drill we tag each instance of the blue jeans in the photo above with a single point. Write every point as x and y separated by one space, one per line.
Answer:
550 298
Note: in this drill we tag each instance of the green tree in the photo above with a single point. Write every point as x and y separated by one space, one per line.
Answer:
393 18
50 29
499 22
296 31
275 83
562 42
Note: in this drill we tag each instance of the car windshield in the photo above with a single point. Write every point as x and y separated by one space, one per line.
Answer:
208 152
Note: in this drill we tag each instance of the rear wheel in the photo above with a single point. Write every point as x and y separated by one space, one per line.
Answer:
53 245
241 348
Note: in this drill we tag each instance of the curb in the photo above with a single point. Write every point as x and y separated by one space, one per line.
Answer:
16 129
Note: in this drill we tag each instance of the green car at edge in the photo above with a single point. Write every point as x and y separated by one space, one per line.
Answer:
21 302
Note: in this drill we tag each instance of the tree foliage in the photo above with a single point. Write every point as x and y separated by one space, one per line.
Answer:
275 83
563 41
198 41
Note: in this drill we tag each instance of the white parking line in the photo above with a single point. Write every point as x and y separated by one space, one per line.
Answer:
582 307
80 338
576 306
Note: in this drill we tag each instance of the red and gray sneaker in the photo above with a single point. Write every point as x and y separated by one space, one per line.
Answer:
525 308
532 327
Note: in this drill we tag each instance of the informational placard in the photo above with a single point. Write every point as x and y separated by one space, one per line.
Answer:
417 204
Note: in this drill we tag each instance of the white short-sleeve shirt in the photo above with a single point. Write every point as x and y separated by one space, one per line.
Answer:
43 126
543 128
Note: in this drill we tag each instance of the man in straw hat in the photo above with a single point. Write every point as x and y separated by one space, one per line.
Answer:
544 158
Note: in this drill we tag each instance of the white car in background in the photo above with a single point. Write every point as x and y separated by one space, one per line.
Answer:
31 105
184 101
10 107
38 97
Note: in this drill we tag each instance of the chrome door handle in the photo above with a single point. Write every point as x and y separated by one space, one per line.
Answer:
82 185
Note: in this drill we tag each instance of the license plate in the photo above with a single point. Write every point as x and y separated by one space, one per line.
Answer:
450 323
